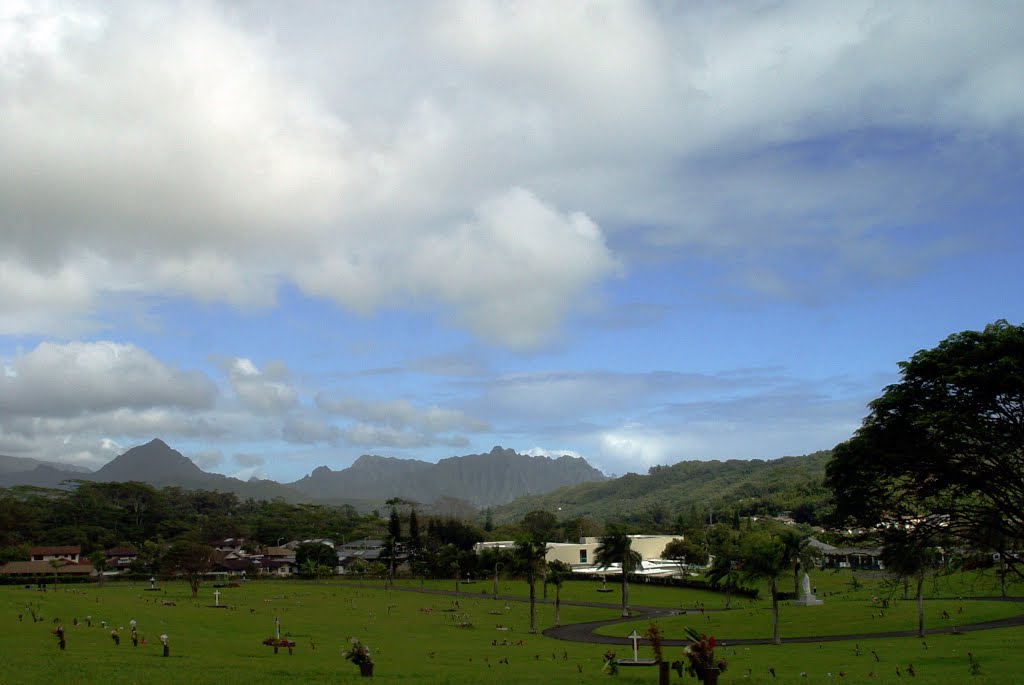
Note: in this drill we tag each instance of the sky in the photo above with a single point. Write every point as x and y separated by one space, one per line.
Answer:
282 235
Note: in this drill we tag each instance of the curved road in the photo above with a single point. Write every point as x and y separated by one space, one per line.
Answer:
584 632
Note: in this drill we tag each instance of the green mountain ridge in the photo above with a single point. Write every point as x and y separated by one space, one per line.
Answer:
659 498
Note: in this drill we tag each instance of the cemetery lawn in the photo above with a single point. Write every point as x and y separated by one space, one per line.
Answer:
417 637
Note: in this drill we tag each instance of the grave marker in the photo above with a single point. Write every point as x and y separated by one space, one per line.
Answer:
635 637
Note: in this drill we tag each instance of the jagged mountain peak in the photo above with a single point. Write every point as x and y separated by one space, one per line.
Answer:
485 479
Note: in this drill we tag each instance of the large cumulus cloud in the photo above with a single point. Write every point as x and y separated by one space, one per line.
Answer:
78 378
169 150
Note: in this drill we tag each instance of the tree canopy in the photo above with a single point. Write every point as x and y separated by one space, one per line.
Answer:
191 559
318 553
944 447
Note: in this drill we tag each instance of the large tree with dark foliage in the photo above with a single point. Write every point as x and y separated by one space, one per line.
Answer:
190 559
319 553
944 447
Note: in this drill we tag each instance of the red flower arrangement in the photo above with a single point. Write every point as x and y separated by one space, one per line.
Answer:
700 655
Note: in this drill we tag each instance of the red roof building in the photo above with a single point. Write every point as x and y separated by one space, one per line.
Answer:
70 553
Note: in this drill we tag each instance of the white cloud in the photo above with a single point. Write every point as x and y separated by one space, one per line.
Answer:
553 454
534 262
266 391
634 448
180 121
218 154
309 430
366 435
402 414
248 460
78 378
51 301
208 459
398 424
490 164
553 394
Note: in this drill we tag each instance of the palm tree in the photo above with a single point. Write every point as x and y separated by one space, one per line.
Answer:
491 557
617 548
725 572
764 558
558 573
311 568
725 547
55 564
99 562
797 552
529 555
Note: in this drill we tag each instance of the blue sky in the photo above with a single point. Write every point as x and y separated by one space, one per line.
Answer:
280 237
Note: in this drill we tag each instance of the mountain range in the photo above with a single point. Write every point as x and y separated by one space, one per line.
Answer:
22 464
497 477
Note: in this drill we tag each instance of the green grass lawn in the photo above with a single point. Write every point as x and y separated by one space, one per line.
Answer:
417 637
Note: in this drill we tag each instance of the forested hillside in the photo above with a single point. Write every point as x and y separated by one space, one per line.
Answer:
102 515
669 497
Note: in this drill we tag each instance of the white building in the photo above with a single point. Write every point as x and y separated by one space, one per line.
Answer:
580 555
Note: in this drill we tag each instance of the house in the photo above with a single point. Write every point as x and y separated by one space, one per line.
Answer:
281 567
228 545
276 561
367 550
236 566
120 558
319 541
45 569
70 553
868 558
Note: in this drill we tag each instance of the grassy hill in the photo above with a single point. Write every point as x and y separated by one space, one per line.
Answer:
665 494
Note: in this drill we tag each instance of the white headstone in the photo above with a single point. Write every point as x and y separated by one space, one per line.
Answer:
216 598
635 637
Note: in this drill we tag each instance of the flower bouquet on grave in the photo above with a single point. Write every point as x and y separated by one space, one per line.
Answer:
359 654
277 642
700 655
611 666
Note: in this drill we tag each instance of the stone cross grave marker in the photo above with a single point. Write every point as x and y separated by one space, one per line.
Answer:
635 637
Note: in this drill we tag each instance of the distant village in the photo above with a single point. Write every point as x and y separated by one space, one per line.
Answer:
232 558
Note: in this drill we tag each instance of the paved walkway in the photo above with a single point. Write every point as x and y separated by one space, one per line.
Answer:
584 632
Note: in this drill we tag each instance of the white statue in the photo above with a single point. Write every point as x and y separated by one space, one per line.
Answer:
806 598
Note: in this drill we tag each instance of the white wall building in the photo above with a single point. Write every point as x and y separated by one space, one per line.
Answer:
580 555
